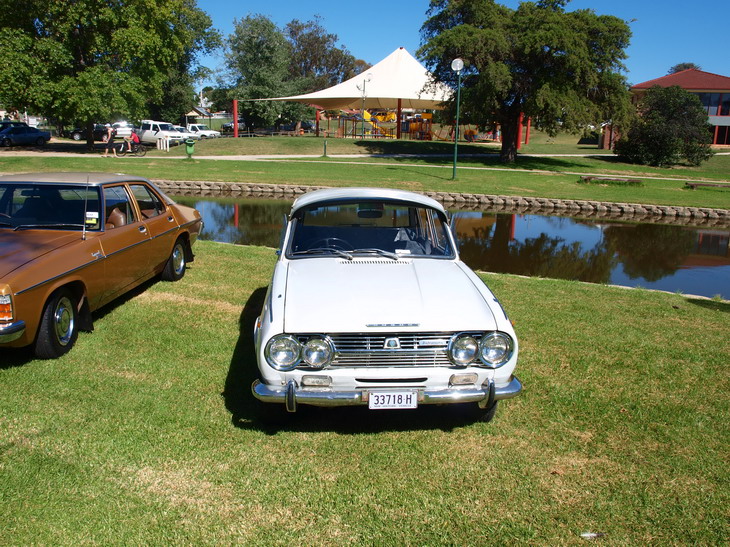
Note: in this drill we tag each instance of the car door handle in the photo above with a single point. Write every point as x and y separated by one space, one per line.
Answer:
142 229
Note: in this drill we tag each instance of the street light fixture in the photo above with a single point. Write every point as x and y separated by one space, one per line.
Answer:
457 65
368 77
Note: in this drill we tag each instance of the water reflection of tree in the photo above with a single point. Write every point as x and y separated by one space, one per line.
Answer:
491 248
651 251
259 221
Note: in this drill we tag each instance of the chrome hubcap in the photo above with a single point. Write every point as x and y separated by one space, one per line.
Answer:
178 259
63 319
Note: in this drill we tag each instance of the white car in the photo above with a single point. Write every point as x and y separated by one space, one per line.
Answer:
152 131
185 133
369 304
203 131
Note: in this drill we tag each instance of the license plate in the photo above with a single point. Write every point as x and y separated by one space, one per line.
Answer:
379 400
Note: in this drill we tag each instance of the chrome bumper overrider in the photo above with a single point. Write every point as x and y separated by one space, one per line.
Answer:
291 394
11 332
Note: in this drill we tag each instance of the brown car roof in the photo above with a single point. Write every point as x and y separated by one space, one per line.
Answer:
80 178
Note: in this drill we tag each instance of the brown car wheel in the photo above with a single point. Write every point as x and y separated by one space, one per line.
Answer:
176 264
59 326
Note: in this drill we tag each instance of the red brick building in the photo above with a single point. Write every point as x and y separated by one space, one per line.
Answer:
713 91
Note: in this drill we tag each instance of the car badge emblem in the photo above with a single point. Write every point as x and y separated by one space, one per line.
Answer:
391 343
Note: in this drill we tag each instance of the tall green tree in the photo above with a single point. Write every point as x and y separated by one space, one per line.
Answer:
671 127
257 59
563 69
94 60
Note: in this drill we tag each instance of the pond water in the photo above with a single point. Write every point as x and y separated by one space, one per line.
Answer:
684 259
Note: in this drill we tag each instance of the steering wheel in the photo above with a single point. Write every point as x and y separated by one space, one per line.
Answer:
333 243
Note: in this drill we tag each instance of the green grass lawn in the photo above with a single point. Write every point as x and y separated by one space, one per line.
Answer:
144 433
553 177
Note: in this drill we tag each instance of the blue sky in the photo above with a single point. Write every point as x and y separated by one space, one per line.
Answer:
665 32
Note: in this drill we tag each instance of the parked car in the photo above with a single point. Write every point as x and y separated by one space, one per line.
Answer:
4 124
80 134
203 131
185 133
20 135
369 304
72 242
228 126
152 131
123 129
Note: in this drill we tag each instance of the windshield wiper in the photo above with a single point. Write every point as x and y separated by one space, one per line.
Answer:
380 252
320 250
48 225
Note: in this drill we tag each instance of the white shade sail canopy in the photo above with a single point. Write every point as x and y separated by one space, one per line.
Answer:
397 77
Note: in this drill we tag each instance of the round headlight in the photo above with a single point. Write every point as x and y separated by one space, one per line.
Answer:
495 349
282 352
463 350
317 352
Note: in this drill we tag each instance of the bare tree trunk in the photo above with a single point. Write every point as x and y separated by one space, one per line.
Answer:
510 130
90 135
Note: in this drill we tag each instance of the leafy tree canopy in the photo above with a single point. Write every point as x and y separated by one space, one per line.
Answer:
265 61
683 66
672 126
95 60
560 68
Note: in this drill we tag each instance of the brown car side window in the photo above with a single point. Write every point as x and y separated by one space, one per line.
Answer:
117 207
149 204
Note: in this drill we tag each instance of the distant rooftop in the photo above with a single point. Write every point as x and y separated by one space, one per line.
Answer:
690 79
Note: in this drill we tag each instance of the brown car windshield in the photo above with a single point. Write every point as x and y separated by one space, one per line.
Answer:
49 206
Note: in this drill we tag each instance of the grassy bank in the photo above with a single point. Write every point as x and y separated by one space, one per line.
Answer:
555 178
145 431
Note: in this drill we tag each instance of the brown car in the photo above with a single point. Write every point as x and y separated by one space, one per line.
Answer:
72 242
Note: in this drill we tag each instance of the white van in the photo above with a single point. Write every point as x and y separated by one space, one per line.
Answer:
152 131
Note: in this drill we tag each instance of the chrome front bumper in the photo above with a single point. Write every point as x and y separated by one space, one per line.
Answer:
11 332
291 394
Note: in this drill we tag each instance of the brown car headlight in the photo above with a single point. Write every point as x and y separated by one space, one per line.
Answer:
495 349
463 349
283 352
318 352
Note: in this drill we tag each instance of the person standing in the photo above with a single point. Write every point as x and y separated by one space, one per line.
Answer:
110 134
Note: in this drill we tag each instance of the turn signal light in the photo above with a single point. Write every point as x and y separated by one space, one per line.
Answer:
6 308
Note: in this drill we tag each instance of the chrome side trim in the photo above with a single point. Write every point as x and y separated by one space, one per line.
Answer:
11 332
293 395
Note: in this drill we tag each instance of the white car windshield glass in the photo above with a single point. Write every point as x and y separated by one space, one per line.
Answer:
377 228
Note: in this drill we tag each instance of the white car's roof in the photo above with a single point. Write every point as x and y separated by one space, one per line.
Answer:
341 194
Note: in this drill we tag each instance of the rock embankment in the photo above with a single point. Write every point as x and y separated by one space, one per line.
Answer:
633 212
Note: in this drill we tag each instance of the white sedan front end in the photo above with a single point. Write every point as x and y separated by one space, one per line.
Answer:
369 304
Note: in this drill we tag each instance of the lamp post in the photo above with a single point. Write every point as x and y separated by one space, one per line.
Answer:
368 77
457 65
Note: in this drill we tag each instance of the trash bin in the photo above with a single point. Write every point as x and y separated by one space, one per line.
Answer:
190 147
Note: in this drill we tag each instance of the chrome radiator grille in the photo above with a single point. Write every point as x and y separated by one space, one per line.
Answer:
392 349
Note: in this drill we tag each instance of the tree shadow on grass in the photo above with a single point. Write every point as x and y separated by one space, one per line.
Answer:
243 406
713 305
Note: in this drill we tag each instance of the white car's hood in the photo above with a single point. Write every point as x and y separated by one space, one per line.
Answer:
325 295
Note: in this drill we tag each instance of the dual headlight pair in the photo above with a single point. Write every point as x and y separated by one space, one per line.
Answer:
284 352
493 349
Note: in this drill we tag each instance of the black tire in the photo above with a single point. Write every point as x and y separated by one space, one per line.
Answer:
141 150
486 415
176 264
59 326
40 141
7 143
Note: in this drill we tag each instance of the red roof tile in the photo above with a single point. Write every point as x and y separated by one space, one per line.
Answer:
690 79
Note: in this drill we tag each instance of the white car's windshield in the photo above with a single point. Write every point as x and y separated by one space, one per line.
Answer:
57 206
369 227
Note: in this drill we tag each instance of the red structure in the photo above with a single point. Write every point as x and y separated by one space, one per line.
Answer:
713 91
